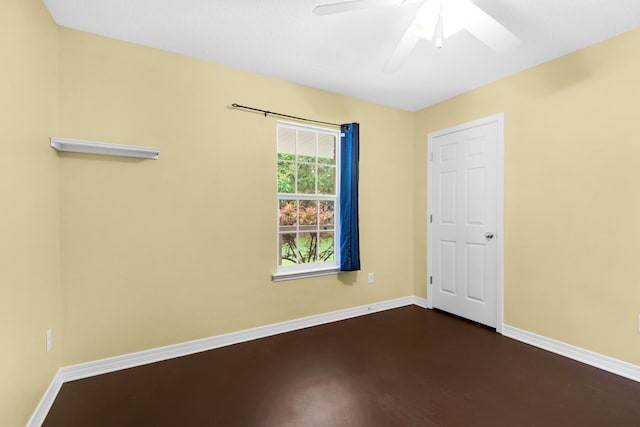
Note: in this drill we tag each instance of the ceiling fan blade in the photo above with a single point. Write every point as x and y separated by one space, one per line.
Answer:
488 30
403 50
348 6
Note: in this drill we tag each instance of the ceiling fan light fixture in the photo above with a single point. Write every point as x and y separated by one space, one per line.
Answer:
458 14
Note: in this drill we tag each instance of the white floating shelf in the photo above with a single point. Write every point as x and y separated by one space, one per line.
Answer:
77 146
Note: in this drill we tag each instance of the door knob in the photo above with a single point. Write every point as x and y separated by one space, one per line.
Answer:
488 235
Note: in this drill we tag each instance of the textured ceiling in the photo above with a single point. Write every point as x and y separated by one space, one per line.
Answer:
346 53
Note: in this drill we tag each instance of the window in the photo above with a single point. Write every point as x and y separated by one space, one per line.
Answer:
308 205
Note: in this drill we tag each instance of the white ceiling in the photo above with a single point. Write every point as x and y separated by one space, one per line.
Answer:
346 53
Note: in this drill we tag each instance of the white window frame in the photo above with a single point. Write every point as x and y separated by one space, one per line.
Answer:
288 272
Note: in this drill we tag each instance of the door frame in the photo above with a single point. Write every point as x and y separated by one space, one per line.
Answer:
499 119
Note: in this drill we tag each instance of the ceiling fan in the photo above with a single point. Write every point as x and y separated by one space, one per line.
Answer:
435 20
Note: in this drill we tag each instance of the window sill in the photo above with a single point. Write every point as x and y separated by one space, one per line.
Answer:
279 277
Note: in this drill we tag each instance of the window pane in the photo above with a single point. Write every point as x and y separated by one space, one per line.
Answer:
308 248
326 149
306 146
288 249
286 177
326 180
288 215
286 144
326 247
326 214
306 179
308 214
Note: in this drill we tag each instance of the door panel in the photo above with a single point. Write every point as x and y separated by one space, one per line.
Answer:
475 272
448 266
448 188
464 263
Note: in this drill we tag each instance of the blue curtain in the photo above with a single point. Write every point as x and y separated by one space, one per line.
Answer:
349 229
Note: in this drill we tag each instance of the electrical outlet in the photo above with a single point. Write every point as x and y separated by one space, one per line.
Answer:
370 278
49 339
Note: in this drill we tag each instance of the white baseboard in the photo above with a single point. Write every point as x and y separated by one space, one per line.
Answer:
420 302
597 360
111 364
45 403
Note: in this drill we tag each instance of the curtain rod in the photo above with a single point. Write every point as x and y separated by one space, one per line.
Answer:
234 105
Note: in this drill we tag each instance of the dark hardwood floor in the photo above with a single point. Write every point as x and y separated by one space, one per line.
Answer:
402 367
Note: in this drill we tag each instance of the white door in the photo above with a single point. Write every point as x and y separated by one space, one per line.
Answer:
465 220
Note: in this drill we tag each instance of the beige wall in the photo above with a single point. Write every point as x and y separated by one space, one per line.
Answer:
161 252
572 194
30 208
